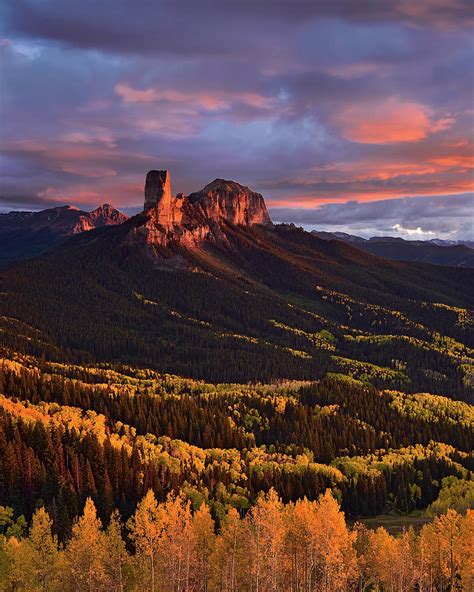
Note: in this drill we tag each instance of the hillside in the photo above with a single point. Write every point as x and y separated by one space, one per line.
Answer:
198 356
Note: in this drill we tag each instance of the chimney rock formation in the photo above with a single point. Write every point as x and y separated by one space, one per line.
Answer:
200 215
158 190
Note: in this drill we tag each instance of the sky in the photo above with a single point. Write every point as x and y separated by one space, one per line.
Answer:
349 115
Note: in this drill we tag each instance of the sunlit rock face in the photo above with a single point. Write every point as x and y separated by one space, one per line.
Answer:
158 194
107 215
228 201
201 215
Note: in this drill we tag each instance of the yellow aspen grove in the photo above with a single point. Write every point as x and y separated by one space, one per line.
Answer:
267 544
300 547
36 559
145 531
85 552
116 558
231 560
336 566
176 545
467 550
205 541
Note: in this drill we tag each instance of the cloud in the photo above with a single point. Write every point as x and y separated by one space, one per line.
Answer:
308 102
189 28
132 95
388 122
193 100
412 231
444 216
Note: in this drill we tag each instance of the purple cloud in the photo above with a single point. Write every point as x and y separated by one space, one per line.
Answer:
307 102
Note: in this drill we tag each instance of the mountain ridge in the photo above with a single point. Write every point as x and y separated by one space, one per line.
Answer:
252 303
433 251
28 234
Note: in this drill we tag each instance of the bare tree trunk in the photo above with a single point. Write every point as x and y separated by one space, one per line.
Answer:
152 572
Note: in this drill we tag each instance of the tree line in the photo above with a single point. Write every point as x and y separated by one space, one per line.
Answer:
304 546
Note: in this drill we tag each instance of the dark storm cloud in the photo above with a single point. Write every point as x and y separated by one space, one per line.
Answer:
187 27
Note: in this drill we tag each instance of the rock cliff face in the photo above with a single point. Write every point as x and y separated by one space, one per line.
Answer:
199 216
107 215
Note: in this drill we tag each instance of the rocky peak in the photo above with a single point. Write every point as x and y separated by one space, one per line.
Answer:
229 201
200 215
107 215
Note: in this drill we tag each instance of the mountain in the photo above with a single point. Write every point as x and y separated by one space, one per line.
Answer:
106 215
183 289
199 216
201 352
27 234
435 251
451 243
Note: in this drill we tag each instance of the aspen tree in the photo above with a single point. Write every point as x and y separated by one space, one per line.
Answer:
85 551
230 563
205 540
44 551
382 560
336 564
145 531
267 543
466 536
115 556
298 519
176 543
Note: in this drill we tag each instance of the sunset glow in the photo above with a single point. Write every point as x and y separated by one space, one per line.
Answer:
309 105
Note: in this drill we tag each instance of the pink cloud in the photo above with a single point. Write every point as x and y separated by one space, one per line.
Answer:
133 95
389 122
210 101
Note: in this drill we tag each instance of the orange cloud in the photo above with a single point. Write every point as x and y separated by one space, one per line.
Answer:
210 101
133 95
389 122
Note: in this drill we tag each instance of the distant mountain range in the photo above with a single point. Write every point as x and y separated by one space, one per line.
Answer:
26 234
435 251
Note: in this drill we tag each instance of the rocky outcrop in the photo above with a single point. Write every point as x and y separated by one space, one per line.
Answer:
199 216
107 215
231 202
